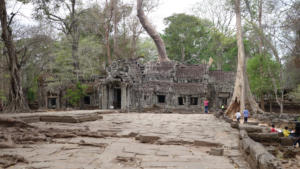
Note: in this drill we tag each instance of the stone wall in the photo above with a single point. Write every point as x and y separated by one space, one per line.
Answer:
165 85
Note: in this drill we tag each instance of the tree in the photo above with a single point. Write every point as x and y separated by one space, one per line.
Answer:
268 35
68 23
242 92
218 12
162 53
16 59
186 37
260 79
76 93
192 40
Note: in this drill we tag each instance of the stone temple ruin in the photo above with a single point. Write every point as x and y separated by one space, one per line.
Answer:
134 86
131 85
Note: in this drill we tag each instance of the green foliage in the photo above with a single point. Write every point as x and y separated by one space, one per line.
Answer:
32 90
75 94
259 77
90 56
147 49
199 40
2 96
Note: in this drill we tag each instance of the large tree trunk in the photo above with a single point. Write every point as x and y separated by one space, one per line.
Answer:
163 57
133 43
262 102
109 61
109 15
115 20
75 57
16 102
242 92
261 44
182 54
75 39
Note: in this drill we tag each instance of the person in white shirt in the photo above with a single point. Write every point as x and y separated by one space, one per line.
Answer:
238 116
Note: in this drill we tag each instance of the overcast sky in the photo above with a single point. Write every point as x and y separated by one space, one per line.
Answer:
166 8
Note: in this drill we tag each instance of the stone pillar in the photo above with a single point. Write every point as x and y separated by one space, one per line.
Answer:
58 102
123 96
110 97
104 97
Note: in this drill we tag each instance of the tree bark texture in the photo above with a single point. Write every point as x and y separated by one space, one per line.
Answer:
75 39
242 92
162 53
109 15
115 20
16 101
261 44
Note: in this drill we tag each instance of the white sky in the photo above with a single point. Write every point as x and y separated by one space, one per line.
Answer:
166 8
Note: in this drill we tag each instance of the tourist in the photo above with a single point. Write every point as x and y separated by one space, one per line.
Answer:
223 107
206 105
238 116
273 130
246 115
296 134
286 132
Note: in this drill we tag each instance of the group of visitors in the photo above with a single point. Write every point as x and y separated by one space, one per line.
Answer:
289 133
237 115
245 113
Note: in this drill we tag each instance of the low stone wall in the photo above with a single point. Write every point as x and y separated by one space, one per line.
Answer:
257 156
255 153
76 118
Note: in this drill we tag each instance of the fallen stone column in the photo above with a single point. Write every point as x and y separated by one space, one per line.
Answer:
265 137
256 154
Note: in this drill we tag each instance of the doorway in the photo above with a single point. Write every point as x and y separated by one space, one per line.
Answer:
117 98
52 103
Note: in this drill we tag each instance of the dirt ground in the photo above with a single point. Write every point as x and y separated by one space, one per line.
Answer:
124 141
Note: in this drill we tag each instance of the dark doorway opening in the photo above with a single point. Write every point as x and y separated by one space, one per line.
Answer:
51 103
87 100
161 98
224 101
117 98
194 101
180 100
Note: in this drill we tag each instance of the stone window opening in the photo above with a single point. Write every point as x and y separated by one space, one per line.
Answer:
87 100
161 98
145 97
180 101
52 103
194 100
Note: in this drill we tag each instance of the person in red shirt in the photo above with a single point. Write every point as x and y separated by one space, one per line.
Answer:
206 105
273 130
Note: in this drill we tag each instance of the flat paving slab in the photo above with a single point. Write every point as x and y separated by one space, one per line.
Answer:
171 146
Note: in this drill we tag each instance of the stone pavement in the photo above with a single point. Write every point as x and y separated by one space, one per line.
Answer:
138 141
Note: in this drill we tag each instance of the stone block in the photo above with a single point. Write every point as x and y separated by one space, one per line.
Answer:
62 119
253 123
216 151
234 125
265 137
206 143
251 128
289 153
147 139
287 141
30 119
71 119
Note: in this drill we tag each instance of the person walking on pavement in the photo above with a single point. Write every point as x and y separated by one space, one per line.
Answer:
246 115
206 105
